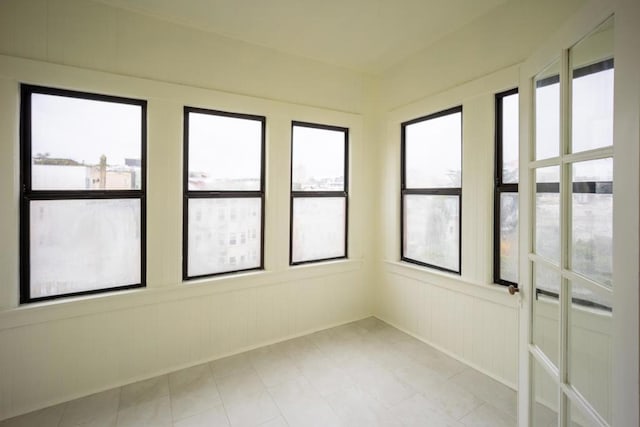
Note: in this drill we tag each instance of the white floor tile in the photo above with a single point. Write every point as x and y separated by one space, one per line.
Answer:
193 390
276 371
214 417
276 422
382 384
47 417
418 411
488 416
251 410
355 407
144 391
489 390
240 384
151 413
302 405
229 365
453 400
325 376
98 409
364 373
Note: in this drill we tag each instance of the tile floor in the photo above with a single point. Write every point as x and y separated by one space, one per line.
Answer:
365 373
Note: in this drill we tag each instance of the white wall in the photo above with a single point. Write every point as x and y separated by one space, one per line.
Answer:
55 351
466 316
92 35
499 39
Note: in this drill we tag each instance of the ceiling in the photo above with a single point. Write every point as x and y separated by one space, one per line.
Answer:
365 35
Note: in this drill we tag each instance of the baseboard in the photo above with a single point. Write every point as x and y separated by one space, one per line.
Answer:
171 369
451 354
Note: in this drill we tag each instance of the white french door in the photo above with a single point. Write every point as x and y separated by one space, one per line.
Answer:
568 261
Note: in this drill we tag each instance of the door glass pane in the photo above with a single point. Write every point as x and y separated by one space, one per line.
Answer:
590 345
83 245
545 397
547 112
318 228
318 157
509 237
547 218
85 144
433 152
592 90
431 228
510 139
225 153
224 235
546 311
592 220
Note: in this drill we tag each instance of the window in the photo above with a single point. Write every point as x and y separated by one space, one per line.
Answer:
431 190
223 191
319 195
82 194
505 226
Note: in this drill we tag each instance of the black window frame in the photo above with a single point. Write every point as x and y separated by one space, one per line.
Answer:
500 187
308 194
28 194
438 191
219 194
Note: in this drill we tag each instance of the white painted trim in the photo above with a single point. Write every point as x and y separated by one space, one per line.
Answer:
512 386
498 81
73 396
625 392
113 301
493 293
626 217
552 161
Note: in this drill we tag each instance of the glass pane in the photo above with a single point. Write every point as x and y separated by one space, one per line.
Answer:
433 150
592 90
510 137
82 144
224 235
545 398
317 159
509 237
432 230
546 311
547 219
592 220
547 112
318 228
225 153
81 245
590 346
